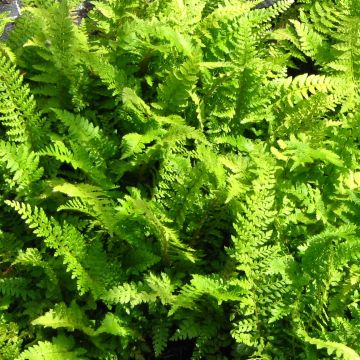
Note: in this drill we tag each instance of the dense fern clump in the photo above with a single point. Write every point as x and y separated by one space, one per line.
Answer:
180 174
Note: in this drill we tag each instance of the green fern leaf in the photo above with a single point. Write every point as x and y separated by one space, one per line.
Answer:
61 348
71 318
112 324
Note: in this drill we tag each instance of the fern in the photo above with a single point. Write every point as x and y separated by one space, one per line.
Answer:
61 347
185 179
58 64
10 342
201 285
134 294
32 257
157 222
15 287
78 158
340 350
72 250
112 324
90 200
18 112
256 252
160 337
65 317
22 163
301 153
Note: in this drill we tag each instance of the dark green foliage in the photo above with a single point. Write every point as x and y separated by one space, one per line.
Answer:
171 173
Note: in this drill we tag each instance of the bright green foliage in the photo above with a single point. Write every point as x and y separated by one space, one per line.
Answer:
18 112
61 348
10 342
180 178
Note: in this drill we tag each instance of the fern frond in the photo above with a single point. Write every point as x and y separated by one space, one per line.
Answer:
61 316
312 43
112 324
59 46
175 92
10 341
78 158
160 336
91 137
16 287
90 200
133 143
187 330
205 285
61 348
61 152
32 257
156 287
304 86
340 350
133 294
158 223
22 163
65 240
301 152
18 109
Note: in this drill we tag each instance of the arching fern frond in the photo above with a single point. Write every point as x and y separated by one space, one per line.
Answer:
71 318
90 200
61 348
18 109
65 239
22 163
340 350
159 224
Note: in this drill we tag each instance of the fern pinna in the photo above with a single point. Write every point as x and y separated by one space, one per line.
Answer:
180 175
